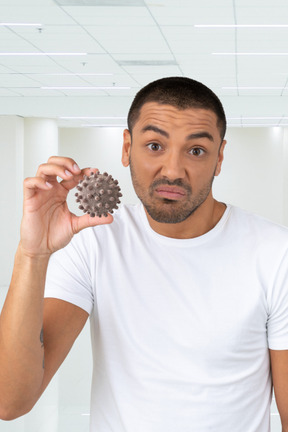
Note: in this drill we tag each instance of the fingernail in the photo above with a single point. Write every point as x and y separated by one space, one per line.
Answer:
49 184
76 167
68 173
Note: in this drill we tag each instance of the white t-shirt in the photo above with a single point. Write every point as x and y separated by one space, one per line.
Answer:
180 328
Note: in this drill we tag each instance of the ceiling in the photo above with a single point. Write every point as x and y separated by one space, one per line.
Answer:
82 61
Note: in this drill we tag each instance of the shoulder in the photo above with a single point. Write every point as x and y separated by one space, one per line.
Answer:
258 229
257 221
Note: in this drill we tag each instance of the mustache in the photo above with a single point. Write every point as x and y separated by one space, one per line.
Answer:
176 182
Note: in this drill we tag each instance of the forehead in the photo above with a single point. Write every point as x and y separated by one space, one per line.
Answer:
169 116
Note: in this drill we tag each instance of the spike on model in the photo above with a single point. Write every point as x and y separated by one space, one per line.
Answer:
98 194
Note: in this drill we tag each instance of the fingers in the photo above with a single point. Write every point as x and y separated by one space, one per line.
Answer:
32 184
62 167
81 222
71 182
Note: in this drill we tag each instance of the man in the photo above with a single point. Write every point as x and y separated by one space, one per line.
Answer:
188 297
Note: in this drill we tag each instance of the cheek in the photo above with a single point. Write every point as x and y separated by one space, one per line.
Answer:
142 167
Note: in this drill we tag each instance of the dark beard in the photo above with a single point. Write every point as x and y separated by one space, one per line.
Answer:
168 211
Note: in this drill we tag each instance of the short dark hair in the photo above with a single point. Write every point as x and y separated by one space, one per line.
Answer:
180 92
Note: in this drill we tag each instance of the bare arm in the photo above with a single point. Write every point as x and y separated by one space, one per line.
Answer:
279 367
47 226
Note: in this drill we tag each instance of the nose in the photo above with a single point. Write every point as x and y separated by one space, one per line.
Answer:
172 166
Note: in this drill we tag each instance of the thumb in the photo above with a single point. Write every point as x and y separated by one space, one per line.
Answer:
81 222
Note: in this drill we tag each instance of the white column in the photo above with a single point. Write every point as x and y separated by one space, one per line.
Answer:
40 142
11 173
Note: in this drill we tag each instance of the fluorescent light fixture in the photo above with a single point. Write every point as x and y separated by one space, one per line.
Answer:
241 25
92 118
41 54
87 88
11 24
253 88
250 54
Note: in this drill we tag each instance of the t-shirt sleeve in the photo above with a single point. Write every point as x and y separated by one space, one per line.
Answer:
69 275
277 324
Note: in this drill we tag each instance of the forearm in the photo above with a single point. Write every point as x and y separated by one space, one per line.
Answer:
21 347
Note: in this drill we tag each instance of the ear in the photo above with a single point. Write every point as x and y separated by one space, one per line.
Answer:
127 141
220 158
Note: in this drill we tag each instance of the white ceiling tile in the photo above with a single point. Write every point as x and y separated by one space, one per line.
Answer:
15 45
262 65
154 70
260 93
35 14
276 77
144 39
67 80
120 80
80 93
144 57
4 69
202 64
37 91
145 78
66 43
189 40
28 3
25 61
256 45
109 16
262 15
124 93
6 92
262 3
185 3
36 69
16 80
261 80
90 64
61 80
162 31
5 33
194 14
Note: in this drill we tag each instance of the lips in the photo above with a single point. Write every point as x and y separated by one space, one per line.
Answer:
170 192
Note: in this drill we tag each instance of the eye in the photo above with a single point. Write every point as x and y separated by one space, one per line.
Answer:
154 147
196 151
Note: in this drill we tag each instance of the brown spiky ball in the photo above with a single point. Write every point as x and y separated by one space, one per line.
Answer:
98 194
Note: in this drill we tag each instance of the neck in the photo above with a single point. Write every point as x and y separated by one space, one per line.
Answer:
200 222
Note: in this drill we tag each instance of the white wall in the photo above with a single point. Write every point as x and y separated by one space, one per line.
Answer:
254 176
254 173
11 157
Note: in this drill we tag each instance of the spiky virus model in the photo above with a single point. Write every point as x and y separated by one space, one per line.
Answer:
98 194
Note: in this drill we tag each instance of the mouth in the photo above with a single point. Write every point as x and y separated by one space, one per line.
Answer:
170 192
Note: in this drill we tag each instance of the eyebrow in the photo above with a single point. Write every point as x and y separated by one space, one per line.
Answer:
155 129
200 135
192 136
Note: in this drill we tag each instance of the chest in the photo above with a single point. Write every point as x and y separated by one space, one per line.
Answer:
188 306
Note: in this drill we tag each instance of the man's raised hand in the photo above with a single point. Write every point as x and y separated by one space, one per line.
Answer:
47 224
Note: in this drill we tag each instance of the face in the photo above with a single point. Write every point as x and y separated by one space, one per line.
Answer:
173 156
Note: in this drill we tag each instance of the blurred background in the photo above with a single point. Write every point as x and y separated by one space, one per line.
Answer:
69 70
